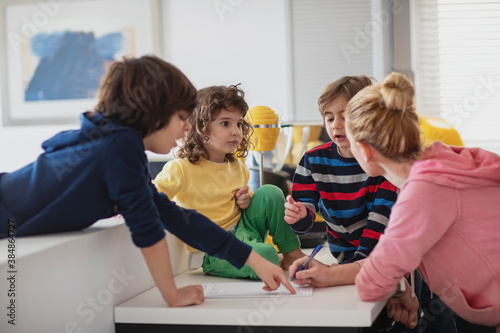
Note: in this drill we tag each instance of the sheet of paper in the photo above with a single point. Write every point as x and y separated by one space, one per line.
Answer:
249 289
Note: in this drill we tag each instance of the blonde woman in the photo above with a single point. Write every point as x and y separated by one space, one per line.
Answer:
446 219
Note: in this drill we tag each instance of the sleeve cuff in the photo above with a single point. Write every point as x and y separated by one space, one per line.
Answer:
305 224
149 241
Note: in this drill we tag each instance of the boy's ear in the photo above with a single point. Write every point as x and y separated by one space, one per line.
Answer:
366 151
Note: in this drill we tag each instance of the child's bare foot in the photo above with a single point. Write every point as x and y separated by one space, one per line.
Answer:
290 257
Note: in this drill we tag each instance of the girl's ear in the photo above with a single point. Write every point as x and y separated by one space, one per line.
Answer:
366 151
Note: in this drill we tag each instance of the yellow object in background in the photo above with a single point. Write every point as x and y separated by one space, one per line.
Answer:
265 124
305 137
437 129
269 240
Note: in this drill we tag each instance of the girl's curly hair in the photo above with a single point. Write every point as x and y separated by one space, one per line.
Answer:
211 101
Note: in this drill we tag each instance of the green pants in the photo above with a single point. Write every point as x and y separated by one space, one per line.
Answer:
264 214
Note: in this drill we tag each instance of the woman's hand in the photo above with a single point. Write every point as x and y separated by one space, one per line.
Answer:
294 211
320 275
404 309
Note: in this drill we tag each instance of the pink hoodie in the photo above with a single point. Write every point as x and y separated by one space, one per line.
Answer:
446 222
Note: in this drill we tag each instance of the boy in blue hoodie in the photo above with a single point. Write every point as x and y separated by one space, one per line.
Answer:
101 170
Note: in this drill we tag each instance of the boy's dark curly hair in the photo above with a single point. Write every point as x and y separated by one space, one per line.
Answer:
144 93
211 101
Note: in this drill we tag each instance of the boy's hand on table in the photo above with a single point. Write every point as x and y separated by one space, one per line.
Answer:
294 211
271 274
243 197
188 295
158 260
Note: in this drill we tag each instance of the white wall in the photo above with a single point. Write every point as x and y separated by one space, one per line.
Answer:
282 51
247 42
230 42
20 145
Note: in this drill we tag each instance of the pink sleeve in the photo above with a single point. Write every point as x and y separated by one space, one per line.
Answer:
361 262
422 214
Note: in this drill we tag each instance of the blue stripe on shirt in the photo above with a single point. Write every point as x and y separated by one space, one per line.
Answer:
380 202
347 213
341 213
338 248
307 200
329 161
383 202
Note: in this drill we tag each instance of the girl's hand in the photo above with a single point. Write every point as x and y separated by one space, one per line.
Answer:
294 211
188 295
271 274
243 197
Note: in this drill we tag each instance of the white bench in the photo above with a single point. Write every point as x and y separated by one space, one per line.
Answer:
71 282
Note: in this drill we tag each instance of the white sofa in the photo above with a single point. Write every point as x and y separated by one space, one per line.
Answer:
70 282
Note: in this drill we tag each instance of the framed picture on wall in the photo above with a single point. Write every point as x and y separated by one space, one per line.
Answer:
56 53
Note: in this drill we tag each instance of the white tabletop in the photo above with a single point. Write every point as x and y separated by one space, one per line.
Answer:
332 307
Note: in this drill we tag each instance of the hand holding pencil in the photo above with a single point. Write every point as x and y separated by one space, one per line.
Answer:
319 275
305 263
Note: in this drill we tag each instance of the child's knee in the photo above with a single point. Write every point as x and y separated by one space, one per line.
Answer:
268 252
271 193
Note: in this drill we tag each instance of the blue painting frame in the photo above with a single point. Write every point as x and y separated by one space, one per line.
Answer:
56 53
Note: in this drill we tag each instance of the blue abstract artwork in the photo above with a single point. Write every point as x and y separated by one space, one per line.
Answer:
70 64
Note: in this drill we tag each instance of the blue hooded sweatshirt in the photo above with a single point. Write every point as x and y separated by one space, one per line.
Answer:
96 172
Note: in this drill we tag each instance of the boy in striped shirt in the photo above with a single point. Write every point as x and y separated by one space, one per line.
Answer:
328 180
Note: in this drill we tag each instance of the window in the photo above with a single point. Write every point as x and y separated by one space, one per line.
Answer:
457 66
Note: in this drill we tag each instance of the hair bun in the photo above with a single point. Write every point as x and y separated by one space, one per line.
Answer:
397 92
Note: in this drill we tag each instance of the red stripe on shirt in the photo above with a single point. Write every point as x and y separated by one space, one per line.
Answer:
334 235
354 195
348 196
323 146
304 187
386 185
355 242
368 233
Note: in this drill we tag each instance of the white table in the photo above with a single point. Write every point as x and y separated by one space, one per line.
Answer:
334 309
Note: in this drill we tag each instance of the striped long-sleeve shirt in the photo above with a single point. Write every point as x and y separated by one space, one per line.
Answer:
355 206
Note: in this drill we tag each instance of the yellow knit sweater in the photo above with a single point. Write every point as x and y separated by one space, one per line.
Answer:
206 187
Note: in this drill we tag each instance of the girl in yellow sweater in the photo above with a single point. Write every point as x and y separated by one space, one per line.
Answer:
208 176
